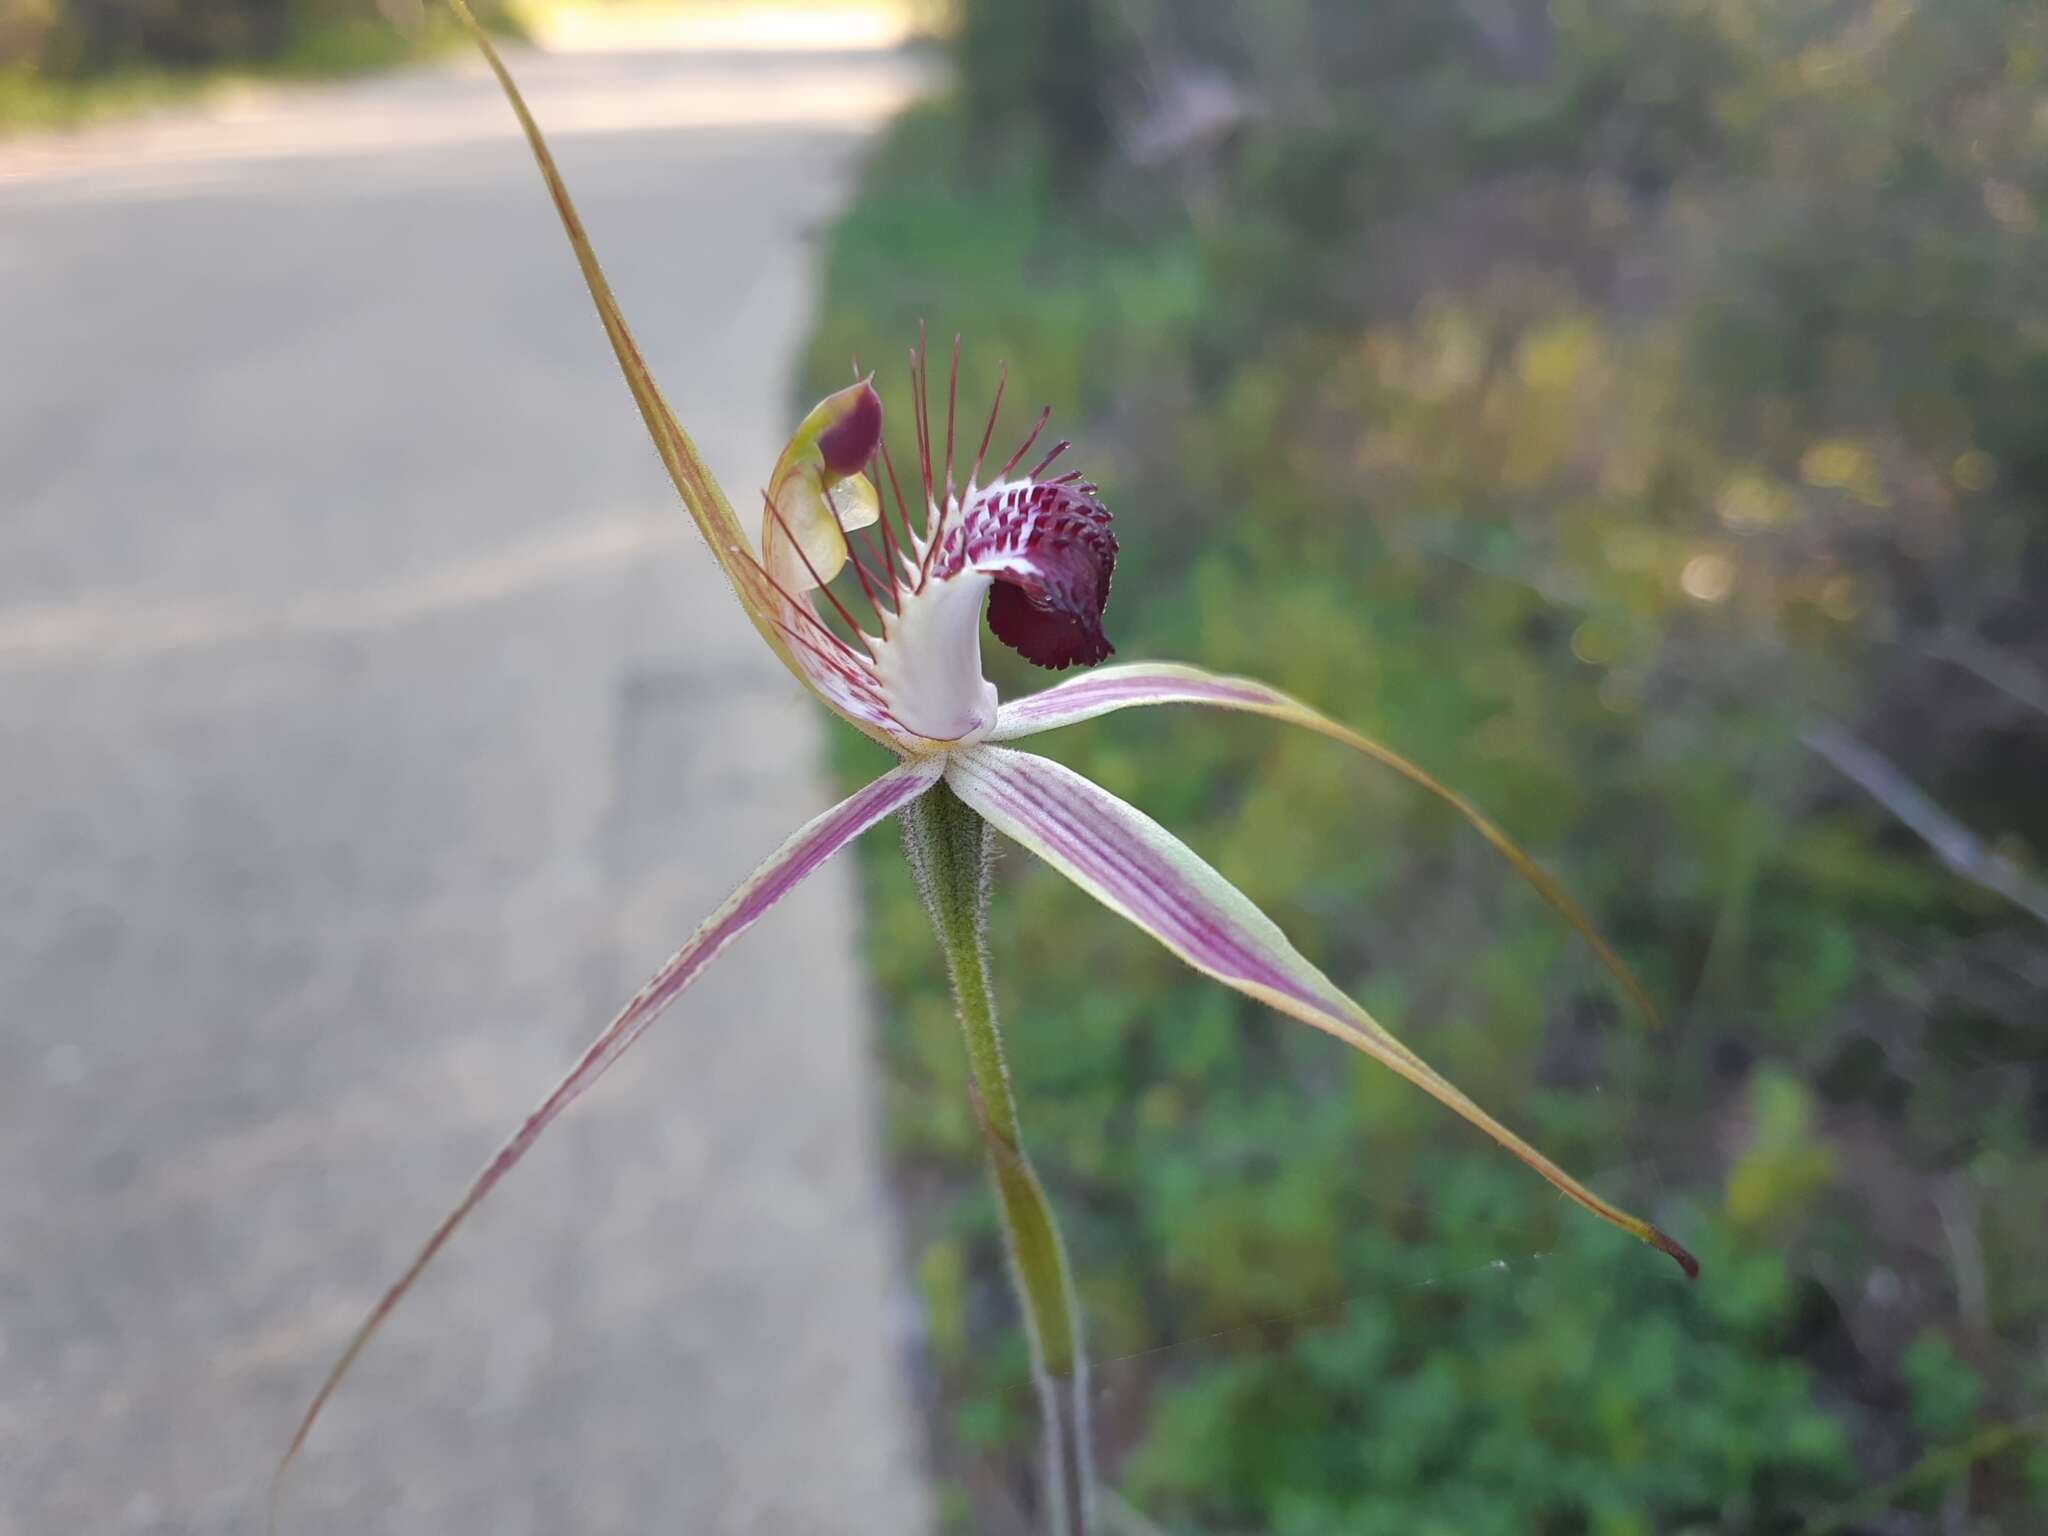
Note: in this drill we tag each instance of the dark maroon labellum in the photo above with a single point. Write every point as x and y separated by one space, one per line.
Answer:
1048 606
850 442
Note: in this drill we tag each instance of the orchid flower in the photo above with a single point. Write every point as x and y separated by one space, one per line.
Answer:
1033 550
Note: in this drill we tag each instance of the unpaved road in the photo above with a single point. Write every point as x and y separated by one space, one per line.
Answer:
370 725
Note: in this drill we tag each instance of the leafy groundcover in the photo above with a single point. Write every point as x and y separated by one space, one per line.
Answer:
1635 417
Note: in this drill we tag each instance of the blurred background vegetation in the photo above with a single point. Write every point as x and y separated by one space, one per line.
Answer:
68 61
1634 410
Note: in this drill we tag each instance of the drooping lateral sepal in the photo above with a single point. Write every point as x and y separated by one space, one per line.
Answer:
1160 682
785 869
1142 872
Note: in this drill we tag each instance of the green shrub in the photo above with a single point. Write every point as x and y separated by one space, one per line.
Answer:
1588 413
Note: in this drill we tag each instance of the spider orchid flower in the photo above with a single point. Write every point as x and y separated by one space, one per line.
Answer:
1034 551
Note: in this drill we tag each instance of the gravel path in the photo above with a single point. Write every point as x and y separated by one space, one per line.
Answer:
369 726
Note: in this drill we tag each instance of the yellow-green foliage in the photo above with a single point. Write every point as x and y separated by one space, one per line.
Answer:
1588 424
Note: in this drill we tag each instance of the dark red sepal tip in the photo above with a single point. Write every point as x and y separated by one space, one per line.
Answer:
1678 1251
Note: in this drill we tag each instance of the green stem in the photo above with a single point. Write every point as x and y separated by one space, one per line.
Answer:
949 846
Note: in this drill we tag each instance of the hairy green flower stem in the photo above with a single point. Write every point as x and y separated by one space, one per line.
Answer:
949 847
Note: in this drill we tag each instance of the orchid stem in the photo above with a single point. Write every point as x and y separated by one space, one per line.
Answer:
949 847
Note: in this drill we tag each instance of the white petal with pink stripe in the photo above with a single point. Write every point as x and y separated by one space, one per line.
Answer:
1142 872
